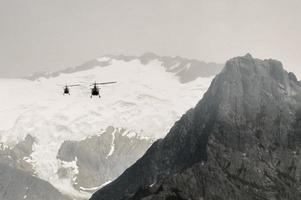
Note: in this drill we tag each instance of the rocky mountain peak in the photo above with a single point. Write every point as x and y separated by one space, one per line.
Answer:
248 55
241 141
249 66
248 89
245 79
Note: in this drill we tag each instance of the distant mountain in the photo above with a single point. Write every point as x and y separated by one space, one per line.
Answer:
241 141
186 69
79 144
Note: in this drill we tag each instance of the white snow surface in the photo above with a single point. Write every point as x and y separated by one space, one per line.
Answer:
112 144
95 188
146 100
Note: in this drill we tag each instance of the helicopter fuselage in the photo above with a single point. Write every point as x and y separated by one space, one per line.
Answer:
95 91
66 91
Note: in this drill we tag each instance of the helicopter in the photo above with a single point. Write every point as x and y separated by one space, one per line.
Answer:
66 89
95 88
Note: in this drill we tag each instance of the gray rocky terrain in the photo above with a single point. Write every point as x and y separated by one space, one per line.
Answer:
18 155
101 158
242 141
17 179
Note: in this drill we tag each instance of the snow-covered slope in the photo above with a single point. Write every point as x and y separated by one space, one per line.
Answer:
146 100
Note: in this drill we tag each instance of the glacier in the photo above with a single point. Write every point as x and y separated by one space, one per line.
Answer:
146 101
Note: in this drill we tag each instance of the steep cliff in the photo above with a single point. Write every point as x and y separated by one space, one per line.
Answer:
241 141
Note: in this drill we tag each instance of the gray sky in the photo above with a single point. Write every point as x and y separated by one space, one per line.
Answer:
40 35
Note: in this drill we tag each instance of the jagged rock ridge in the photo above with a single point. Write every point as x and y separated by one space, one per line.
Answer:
241 141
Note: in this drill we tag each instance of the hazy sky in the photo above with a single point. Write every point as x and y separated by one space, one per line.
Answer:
40 35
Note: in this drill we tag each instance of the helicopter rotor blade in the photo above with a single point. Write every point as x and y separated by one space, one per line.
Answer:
83 82
74 85
104 83
66 85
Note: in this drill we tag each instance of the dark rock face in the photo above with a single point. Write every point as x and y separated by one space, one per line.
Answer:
241 141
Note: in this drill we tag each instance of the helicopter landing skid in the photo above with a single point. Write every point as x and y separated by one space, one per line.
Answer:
92 96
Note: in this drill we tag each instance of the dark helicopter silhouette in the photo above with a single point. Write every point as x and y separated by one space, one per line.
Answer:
66 89
95 88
